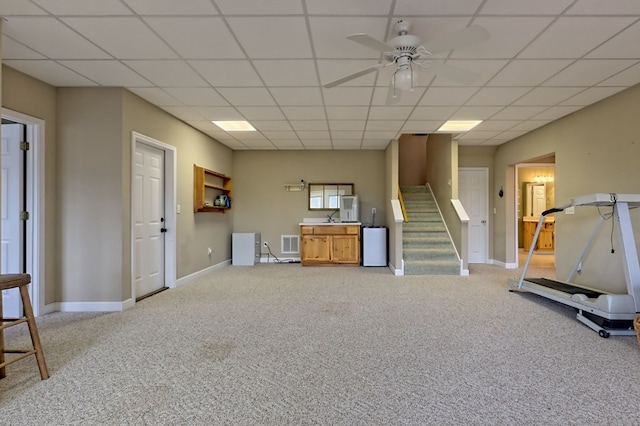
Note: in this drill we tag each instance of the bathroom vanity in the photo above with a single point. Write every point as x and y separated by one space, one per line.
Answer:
546 239
330 243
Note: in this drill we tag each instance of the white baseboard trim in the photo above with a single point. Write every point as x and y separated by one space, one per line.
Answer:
92 306
398 272
464 272
271 259
503 264
201 273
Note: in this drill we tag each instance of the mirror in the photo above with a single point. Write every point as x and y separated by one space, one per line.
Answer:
326 196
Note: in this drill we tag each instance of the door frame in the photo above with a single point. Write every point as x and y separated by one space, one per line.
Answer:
517 196
487 232
34 187
170 180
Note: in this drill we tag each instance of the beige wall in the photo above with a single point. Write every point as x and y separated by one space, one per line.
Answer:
196 231
32 97
596 150
261 204
412 153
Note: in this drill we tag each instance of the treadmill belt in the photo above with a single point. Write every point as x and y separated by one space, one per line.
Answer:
564 287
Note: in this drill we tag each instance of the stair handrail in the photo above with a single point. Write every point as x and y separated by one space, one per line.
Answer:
404 211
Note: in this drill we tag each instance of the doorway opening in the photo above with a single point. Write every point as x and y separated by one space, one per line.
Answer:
535 193
25 195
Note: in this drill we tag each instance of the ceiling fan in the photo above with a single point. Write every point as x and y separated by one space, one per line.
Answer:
408 53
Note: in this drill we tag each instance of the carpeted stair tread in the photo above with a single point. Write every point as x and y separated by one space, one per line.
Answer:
427 247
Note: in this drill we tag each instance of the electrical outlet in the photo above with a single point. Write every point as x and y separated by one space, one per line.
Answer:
209 251
373 210
266 244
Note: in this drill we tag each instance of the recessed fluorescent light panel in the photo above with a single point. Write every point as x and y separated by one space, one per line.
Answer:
459 125
235 126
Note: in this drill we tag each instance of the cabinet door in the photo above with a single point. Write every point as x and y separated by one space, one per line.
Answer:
315 249
545 240
345 249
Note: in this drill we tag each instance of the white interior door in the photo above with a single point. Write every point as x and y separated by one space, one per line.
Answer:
473 194
12 204
149 219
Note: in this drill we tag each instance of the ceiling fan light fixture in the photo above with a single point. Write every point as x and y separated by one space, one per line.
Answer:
405 78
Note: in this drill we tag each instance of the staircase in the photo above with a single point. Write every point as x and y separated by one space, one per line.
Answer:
427 248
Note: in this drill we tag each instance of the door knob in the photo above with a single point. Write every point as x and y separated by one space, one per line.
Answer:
483 221
163 229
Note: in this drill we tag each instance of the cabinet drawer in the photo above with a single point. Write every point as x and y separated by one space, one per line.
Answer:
337 230
306 230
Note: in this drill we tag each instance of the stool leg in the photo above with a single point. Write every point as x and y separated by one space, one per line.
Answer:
33 330
3 370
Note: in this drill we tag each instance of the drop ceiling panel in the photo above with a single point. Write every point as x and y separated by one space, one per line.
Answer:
329 36
548 96
528 72
304 112
351 7
272 37
390 112
409 8
351 96
348 125
589 72
304 96
300 72
156 96
220 113
609 7
247 96
51 38
623 45
524 7
196 96
592 95
14 50
167 73
261 113
50 72
172 7
272 125
114 36
267 62
197 37
260 7
331 70
626 78
107 73
446 96
20 7
497 95
78 7
573 37
234 73
508 36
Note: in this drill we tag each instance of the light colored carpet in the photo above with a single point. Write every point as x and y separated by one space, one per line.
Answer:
290 345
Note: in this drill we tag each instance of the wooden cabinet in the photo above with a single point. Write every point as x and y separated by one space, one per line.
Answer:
207 186
330 244
546 238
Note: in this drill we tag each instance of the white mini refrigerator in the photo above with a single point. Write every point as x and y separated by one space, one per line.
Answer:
374 246
245 248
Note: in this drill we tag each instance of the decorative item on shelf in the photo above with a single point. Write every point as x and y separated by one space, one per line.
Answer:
294 187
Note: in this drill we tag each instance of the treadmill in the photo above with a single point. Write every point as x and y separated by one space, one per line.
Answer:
607 313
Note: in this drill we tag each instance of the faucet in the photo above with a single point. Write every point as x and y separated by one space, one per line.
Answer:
330 216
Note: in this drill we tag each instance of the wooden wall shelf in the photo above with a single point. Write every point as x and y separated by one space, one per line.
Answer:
207 185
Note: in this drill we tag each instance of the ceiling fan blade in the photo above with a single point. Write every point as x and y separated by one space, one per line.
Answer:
457 39
351 76
457 74
367 40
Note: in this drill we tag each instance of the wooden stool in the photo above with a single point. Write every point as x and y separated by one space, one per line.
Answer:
8 281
